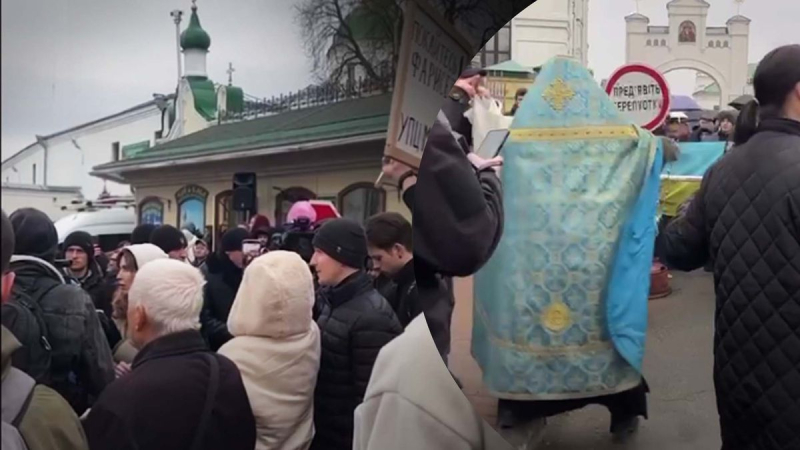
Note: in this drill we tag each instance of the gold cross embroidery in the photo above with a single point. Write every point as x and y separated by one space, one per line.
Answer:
558 94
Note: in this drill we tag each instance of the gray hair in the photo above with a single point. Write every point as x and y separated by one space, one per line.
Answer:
171 293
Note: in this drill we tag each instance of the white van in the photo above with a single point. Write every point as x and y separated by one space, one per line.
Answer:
109 226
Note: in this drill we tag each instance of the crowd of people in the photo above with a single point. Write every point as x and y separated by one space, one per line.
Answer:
166 344
160 344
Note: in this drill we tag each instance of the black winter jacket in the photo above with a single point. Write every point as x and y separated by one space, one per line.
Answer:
81 364
459 221
356 322
159 404
435 301
745 219
222 282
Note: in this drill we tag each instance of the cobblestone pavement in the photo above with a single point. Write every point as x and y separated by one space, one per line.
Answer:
677 366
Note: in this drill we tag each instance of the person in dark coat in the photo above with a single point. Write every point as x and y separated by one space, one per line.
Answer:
355 321
745 219
172 241
179 395
81 365
223 271
389 238
85 270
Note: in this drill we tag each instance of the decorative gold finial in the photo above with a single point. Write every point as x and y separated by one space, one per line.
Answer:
738 6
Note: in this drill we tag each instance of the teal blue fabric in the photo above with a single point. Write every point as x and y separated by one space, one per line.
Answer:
555 313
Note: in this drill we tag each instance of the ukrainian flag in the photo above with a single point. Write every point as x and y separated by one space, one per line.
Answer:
681 179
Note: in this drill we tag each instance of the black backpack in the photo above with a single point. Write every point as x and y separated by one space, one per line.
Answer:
23 317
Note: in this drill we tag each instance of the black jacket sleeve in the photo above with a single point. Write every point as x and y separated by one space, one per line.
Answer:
96 361
214 330
684 242
105 429
458 221
368 335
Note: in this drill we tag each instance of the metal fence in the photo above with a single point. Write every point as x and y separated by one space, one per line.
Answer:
309 97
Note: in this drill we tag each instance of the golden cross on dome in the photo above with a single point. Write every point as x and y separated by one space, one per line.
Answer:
558 94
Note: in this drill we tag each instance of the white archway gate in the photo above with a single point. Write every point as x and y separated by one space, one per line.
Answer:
687 43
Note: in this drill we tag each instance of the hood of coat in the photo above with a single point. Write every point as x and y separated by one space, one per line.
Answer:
144 253
275 298
29 268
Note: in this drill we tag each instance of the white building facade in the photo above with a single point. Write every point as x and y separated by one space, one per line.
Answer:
65 158
60 163
541 31
721 53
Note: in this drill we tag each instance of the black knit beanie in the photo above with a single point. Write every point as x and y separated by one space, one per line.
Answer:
233 238
168 238
343 240
34 234
141 234
80 239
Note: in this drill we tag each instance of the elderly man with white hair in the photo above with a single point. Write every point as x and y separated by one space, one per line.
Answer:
179 395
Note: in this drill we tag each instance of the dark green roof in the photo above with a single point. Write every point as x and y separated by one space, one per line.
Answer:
205 96
194 36
351 118
131 150
234 99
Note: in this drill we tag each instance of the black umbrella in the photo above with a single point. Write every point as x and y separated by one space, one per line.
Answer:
740 101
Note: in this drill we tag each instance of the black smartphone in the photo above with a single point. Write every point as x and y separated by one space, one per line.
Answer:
492 143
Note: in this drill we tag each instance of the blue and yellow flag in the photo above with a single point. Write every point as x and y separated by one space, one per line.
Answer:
561 308
681 179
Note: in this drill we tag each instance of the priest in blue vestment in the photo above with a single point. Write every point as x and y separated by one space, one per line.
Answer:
560 311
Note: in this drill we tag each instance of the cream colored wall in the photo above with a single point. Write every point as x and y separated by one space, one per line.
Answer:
324 184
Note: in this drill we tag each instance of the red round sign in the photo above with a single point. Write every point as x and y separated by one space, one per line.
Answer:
642 93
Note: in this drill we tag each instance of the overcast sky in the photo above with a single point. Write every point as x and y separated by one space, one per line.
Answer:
69 62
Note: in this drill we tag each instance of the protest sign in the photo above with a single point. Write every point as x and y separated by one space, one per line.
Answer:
641 93
432 56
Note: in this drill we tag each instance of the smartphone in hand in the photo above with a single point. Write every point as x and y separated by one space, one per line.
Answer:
492 143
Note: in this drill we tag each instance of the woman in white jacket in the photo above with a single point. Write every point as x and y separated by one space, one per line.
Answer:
276 346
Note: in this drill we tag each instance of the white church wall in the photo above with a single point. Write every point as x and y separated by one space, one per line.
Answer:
47 202
71 155
719 52
69 165
550 28
20 169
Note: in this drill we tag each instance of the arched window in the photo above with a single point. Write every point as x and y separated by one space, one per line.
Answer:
224 215
649 42
286 198
719 44
360 201
191 200
711 44
151 210
688 32
663 42
725 44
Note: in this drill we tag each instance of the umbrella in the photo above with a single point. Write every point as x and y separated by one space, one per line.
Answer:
684 103
741 101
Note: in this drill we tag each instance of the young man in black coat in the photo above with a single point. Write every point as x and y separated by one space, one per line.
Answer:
179 395
389 237
223 271
355 321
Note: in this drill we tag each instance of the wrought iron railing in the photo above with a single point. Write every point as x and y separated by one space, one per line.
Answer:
309 97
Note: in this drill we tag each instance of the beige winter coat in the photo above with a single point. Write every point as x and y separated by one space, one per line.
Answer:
276 347
412 402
